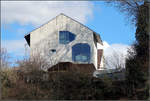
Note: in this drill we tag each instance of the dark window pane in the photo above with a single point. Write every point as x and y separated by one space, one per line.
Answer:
71 37
81 52
65 37
53 50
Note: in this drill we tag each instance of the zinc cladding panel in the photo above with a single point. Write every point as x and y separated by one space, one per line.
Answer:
50 32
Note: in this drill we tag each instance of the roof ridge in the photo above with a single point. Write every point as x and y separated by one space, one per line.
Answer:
56 17
45 23
78 22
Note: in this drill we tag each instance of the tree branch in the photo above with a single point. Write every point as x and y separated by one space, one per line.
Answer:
127 3
137 5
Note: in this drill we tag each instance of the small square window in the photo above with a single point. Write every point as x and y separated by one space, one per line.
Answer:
53 50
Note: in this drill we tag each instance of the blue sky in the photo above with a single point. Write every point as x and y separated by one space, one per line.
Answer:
111 24
17 21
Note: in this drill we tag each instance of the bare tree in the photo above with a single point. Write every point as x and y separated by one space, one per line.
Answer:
116 60
131 8
4 58
40 58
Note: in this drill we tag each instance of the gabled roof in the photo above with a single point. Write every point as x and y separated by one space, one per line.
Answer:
96 36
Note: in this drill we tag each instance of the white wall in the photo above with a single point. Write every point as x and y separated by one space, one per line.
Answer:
49 33
95 55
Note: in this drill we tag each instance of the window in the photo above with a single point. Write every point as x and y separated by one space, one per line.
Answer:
53 50
81 52
65 37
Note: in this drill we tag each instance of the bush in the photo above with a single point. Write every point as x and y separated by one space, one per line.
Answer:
62 86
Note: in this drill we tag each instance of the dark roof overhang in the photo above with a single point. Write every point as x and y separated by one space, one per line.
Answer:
27 37
97 38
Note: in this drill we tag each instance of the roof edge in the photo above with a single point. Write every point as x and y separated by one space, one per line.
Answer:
68 17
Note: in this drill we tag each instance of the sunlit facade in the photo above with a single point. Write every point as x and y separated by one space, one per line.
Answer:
64 39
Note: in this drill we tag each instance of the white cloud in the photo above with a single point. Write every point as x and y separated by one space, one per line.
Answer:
105 44
121 48
16 47
115 54
39 12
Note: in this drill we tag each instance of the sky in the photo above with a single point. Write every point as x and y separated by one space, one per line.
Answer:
21 17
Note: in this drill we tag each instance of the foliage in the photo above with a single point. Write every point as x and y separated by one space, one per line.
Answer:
59 86
4 58
129 7
137 64
28 81
115 60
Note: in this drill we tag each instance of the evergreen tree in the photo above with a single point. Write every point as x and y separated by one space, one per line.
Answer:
137 65
137 68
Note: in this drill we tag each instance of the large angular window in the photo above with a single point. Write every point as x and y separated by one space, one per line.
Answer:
81 52
65 37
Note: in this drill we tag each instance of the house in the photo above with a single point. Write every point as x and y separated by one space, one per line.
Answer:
64 39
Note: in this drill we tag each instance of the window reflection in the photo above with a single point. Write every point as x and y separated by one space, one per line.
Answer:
81 52
65 37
